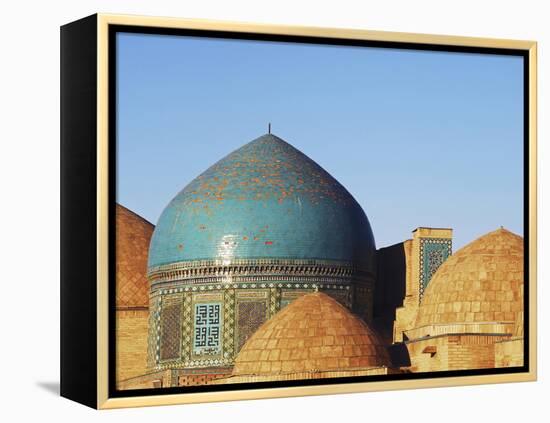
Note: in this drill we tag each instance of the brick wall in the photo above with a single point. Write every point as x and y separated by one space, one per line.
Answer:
509 353
391 289
472 351
199 379
429 361
305 375
131 337
453 352
160 379
405 315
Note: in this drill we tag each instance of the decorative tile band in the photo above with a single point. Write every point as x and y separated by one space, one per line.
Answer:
193 289
256 282
205 271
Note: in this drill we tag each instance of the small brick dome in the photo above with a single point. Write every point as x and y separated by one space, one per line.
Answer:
313 334
133 234
482 282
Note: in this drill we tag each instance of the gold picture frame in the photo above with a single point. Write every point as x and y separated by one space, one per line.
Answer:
93 33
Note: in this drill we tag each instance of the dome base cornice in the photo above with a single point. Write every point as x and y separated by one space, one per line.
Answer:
292 271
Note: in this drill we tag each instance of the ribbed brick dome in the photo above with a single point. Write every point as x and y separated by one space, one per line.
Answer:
133 234
482 282
312 334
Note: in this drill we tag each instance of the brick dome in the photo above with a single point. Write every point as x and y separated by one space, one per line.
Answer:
481 283
312 334
133 234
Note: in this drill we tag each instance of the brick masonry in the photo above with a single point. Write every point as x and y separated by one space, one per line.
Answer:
471 316
480 283
315 333
133 235
416 281
131 349
509 353
453 352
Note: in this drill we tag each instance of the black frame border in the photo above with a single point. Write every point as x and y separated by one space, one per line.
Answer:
78 211
113 30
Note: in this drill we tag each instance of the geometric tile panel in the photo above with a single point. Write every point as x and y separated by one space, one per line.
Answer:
342 296
187 325
152 347
229 324
207 331
251 314
171 331
433 253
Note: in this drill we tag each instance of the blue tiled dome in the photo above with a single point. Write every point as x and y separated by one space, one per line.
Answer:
264 200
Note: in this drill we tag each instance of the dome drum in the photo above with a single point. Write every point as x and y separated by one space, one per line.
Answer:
503 328
229 315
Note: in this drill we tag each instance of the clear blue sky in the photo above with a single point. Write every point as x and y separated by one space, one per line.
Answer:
418 138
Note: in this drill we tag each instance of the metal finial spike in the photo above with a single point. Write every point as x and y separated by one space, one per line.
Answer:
269 128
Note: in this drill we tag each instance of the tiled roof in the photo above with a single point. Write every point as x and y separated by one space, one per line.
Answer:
265 200
482 282
133 234
313 334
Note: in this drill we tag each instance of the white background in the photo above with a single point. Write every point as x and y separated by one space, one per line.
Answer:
29 170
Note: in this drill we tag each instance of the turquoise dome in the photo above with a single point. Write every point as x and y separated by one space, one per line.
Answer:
266 200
